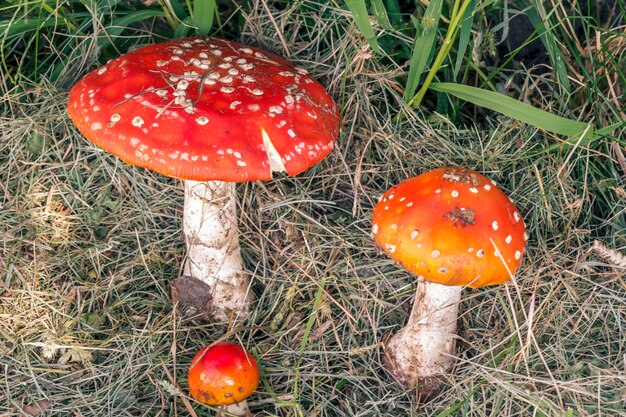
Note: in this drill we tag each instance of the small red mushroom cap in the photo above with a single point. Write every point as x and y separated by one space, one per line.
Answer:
206 109
453 226
223 374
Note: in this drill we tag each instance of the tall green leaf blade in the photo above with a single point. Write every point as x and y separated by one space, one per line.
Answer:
422 47
358 8
203 12
515 109
540 21
464 35
381 14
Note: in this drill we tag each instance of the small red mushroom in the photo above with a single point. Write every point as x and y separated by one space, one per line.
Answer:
451 227
212 113
224 375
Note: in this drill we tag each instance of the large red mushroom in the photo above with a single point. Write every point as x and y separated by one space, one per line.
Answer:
212 113
452 228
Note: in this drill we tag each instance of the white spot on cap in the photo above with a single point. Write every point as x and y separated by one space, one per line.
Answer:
473 190
291 133
257 92
487 187
470 250
480 253
525 236
96 126
414 234
375 228
114 119
246 50
393 226
241 163
508 239
276 109
137 121
391 248
202 120
454 193
495 225
234 104
516 216
227 90
254 107
435 254
161 63
102 70
518 255
409 204
438 190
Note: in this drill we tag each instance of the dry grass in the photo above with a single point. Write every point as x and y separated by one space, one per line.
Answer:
89 244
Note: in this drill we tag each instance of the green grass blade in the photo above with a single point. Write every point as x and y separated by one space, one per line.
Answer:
515 109
307 331
203 13
423 47
381 14
358 9
464 36
118 25
541 22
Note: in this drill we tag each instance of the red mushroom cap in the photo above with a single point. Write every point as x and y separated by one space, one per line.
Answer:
206 109
223 374
453 226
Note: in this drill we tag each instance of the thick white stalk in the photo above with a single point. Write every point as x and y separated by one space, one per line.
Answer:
213 252
421 354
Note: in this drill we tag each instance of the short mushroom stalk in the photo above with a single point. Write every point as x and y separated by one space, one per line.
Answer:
213 250
420 353
240 409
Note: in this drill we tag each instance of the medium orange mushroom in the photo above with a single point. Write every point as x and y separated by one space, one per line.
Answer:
451 227
224 375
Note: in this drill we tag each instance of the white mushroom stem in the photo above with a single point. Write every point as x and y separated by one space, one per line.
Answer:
239 409
422 353
213 252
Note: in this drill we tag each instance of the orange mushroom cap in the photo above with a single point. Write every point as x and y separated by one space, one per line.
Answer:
223 374
453 226
206 109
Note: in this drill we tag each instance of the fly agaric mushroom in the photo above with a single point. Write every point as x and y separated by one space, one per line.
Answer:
452 227
212 113
224 375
